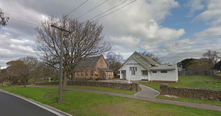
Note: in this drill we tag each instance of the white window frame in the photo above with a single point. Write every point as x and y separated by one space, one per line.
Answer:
154 71
133 70
143 72
163 71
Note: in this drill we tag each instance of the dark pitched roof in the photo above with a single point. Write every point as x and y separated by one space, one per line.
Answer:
106 69
145 61
88 62
163 67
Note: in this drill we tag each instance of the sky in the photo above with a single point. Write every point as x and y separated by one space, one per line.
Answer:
171 29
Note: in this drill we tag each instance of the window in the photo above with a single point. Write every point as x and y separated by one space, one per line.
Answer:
92 73
77 73
163 71
144 73
81 73
133 69
86 73
154 71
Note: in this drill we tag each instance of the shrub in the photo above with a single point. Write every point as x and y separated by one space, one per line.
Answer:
99 79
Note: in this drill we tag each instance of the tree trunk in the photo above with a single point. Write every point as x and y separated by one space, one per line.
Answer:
73 76
65 80
2 83
25 82
9 83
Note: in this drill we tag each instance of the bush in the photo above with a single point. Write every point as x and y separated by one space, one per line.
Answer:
99 79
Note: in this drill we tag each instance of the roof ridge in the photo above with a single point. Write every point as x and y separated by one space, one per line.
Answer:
141 63
147 58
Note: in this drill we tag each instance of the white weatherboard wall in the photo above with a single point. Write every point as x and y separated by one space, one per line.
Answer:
138 74
171 75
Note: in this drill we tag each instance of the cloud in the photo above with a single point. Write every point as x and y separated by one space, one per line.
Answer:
210 32
211 14
135 27
13 49
194 5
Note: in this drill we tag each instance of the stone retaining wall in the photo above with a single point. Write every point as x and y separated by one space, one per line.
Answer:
123 86
209 94
217 77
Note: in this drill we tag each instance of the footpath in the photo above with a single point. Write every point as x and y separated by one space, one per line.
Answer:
142 97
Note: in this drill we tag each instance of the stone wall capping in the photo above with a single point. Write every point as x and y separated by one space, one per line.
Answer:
122 86
211 94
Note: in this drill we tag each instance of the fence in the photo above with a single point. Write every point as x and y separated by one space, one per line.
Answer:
200 72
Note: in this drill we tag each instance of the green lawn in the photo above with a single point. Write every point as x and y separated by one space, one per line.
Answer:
100 89
218 74
93 104
191 81
2 87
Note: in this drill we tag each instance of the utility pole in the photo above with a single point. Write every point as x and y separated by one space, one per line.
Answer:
61 63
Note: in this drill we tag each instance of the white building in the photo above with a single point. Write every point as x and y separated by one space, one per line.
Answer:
141 67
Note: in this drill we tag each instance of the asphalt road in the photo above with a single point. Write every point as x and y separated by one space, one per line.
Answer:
13 106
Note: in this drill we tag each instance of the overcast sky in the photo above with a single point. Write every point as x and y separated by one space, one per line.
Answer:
171 29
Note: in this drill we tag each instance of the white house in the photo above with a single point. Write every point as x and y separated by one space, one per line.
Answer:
141 67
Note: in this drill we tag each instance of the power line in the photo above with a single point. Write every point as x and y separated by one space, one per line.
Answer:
115 10
73 10
108 10
77 7
92 9
28 23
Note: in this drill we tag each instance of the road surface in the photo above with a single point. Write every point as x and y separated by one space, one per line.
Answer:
13 106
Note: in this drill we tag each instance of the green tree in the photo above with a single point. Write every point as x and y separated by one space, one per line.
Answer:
196 65
13 70
217 66
185 63
2 75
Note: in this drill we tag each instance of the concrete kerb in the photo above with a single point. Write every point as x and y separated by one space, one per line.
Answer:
43 106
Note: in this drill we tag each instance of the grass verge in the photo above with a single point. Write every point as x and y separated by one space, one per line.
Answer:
93 104
192 100
191 81
2 87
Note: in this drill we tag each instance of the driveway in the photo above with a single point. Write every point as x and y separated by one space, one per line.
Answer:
14 106
147 92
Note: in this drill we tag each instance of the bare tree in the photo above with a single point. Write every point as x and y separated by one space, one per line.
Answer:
27 68
211 57
39 71
114 61
3 19
85 40
151 55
